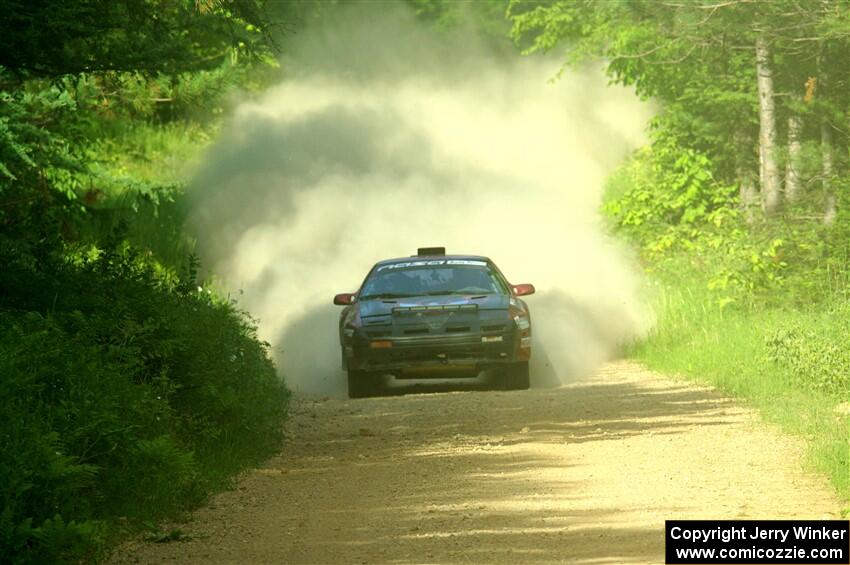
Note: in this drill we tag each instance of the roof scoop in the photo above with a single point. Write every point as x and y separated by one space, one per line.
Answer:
430 251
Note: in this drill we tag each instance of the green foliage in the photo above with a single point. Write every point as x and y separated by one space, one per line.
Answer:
168 475
698 60
129 392
758 310
672 191
55 38
69 146
29 140
815 357
667 202
54 541
75 162
197 96
124 395
487 18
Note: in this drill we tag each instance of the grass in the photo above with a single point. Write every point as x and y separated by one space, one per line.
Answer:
156 153
729 350
141 170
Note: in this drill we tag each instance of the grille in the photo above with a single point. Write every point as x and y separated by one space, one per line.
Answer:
378 333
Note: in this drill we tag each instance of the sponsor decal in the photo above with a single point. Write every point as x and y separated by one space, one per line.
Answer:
433 263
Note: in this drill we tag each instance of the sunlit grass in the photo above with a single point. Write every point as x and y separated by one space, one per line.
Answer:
156 153
140 171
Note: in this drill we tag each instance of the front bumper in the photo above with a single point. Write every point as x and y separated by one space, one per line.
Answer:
438 356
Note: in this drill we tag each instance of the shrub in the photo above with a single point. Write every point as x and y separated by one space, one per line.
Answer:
817 356
667 202
124 395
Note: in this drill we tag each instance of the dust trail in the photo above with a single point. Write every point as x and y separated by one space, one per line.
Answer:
387 138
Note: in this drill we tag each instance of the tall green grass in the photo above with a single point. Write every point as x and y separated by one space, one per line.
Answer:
140 168
147 151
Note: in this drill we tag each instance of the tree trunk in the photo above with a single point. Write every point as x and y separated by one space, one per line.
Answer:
793 183
748 195
769 170
827 169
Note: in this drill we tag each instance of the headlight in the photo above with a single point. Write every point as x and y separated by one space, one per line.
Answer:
520 318
523 324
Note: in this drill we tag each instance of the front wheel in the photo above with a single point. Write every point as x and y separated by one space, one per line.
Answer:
516 376
362 383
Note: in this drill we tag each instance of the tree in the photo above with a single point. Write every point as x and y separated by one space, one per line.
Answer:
723 70
61 65
700 63
769 169
793 180
55 37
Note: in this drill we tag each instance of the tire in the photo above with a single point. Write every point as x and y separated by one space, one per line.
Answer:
516 376
362 384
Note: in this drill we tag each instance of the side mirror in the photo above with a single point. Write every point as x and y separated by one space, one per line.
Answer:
344 299
523 289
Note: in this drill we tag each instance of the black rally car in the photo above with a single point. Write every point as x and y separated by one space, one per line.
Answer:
435 316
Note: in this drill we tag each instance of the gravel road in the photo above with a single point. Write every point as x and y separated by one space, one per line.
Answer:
586 473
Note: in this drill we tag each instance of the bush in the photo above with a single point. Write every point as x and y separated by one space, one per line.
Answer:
125 395
667 202
816 355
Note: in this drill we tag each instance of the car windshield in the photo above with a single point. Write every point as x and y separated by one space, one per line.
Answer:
399 281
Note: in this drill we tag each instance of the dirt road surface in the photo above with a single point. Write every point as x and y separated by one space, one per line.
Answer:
586 473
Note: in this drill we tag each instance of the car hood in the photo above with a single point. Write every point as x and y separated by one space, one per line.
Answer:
379 307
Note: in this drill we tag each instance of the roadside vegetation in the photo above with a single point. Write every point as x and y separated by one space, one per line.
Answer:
738 206
130 389
758 315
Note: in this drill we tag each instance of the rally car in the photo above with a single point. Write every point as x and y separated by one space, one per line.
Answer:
434 315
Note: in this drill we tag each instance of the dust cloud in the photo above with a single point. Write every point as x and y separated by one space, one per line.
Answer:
386 137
